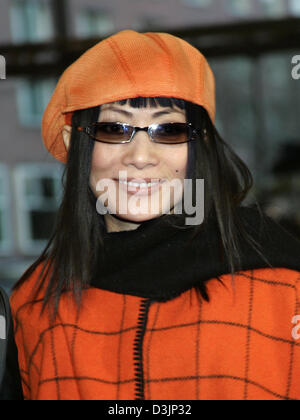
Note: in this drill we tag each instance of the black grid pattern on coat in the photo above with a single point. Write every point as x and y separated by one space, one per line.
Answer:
245 380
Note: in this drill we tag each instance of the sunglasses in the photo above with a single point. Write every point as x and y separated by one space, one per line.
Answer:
170 133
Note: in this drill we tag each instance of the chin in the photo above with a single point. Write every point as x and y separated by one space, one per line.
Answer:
136 218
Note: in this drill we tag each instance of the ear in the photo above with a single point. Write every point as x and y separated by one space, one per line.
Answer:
67 130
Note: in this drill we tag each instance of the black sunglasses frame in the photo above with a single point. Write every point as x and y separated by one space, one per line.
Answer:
90 128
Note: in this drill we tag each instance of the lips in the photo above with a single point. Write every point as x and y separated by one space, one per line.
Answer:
140 180
140 190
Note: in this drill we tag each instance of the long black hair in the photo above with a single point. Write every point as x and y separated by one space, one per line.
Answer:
71 253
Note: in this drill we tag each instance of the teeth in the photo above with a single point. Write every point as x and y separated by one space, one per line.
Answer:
137 184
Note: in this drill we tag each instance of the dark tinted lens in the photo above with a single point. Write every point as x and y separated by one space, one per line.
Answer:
112 132
171 133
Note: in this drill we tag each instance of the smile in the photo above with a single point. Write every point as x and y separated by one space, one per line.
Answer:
139 188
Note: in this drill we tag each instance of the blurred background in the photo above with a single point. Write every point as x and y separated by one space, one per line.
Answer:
250 45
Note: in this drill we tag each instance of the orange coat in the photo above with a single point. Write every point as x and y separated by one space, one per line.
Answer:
242 345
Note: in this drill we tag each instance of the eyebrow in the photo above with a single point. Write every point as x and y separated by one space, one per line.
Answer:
129 114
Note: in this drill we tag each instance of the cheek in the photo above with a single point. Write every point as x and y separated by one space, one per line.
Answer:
179 163
100 164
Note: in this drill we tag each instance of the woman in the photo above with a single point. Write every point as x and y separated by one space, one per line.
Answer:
133 298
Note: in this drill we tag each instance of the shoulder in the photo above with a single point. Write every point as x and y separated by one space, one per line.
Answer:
24 293
265 295
280 276
269 276
278 284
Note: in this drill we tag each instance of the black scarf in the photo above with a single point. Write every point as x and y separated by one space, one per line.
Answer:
160 261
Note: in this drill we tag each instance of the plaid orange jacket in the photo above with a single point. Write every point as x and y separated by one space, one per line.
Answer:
242 345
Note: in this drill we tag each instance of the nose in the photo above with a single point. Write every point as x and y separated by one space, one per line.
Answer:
141 129
141 151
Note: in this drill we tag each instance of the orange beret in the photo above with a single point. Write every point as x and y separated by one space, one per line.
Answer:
125 65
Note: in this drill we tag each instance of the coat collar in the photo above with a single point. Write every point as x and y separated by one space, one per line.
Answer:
159 262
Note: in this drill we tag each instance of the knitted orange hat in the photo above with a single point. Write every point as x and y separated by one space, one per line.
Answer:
125 65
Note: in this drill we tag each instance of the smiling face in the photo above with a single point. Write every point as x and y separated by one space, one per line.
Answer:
141 159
